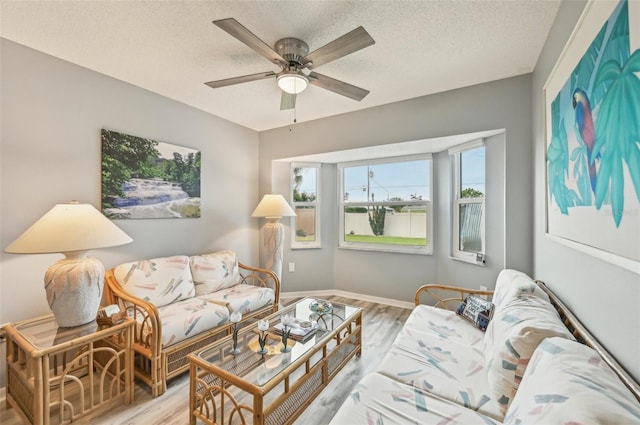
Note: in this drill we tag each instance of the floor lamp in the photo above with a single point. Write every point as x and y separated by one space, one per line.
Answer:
273 207
74 284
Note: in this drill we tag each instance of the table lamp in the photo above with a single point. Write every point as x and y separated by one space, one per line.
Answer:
74 284
273 207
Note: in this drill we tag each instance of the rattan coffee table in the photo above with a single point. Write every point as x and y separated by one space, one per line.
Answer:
272 388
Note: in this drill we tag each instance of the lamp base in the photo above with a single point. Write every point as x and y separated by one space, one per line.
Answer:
274 242
74 289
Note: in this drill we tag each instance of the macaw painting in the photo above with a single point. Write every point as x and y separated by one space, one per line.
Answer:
593 133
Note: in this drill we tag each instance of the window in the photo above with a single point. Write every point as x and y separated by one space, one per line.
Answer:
468 164
385 205
305 188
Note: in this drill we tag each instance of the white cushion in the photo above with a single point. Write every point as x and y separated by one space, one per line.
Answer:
439 352
377 399
244 298
511 338
215 271
510 284
159 281
187 318
569 383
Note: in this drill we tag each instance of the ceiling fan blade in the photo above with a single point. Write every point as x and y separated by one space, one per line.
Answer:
288 101
337 86
237 80
236 29
351 42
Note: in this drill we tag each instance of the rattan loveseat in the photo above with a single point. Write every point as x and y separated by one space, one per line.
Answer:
183 303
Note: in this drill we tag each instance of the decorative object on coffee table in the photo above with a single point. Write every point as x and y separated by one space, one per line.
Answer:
273 207
73 284
235 318
321 309
263 326
286 330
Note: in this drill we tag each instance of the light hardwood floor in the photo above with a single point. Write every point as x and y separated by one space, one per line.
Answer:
381 323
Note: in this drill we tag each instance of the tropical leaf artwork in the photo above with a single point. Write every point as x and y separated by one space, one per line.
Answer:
603 92
618 133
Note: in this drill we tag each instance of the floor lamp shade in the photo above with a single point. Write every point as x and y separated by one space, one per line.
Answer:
74 284
273 207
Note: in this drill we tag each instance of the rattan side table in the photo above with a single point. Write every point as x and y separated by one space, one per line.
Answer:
56 375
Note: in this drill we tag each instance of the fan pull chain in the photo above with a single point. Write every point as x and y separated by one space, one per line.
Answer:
295 119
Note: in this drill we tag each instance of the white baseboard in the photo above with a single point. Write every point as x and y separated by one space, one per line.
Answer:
345 294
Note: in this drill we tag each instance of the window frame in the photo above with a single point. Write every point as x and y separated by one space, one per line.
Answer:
428 205
457 201
317 243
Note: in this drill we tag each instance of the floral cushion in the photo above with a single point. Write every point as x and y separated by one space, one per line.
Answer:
443 358
243 298
186 318
444 324
569 383
159 281
377 399
216 271
511 338
510 284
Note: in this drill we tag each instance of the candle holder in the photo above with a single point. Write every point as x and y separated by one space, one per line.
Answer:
235 318
286 331
263 325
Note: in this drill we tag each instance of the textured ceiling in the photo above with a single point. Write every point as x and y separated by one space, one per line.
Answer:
172 48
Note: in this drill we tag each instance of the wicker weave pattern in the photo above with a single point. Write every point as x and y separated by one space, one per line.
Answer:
299 397
20 393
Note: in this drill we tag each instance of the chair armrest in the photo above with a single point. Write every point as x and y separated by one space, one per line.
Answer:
148 334
442 295
261 277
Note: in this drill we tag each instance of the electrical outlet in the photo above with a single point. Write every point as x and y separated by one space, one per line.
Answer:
292 267
483 288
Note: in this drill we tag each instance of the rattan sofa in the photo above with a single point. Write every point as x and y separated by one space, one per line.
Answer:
536 364
183 303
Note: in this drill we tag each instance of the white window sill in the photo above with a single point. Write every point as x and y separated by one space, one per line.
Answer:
474 262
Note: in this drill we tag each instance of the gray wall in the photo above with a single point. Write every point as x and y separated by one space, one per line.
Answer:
603 296
495 105
52 113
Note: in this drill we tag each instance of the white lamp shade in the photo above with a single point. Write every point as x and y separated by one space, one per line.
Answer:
273 206
68 228
293 83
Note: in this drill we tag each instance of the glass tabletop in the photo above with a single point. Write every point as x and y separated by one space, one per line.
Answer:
258 368
44 332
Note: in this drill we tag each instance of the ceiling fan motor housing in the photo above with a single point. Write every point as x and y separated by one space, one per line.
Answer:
293 50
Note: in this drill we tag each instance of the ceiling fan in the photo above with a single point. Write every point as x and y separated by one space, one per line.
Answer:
292 56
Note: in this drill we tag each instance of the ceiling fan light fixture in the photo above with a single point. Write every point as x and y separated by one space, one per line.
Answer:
292 82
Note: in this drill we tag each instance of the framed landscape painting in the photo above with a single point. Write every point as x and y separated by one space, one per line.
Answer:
592 123
143 178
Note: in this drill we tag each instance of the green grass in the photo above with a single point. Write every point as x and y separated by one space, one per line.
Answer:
308 238
393 240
